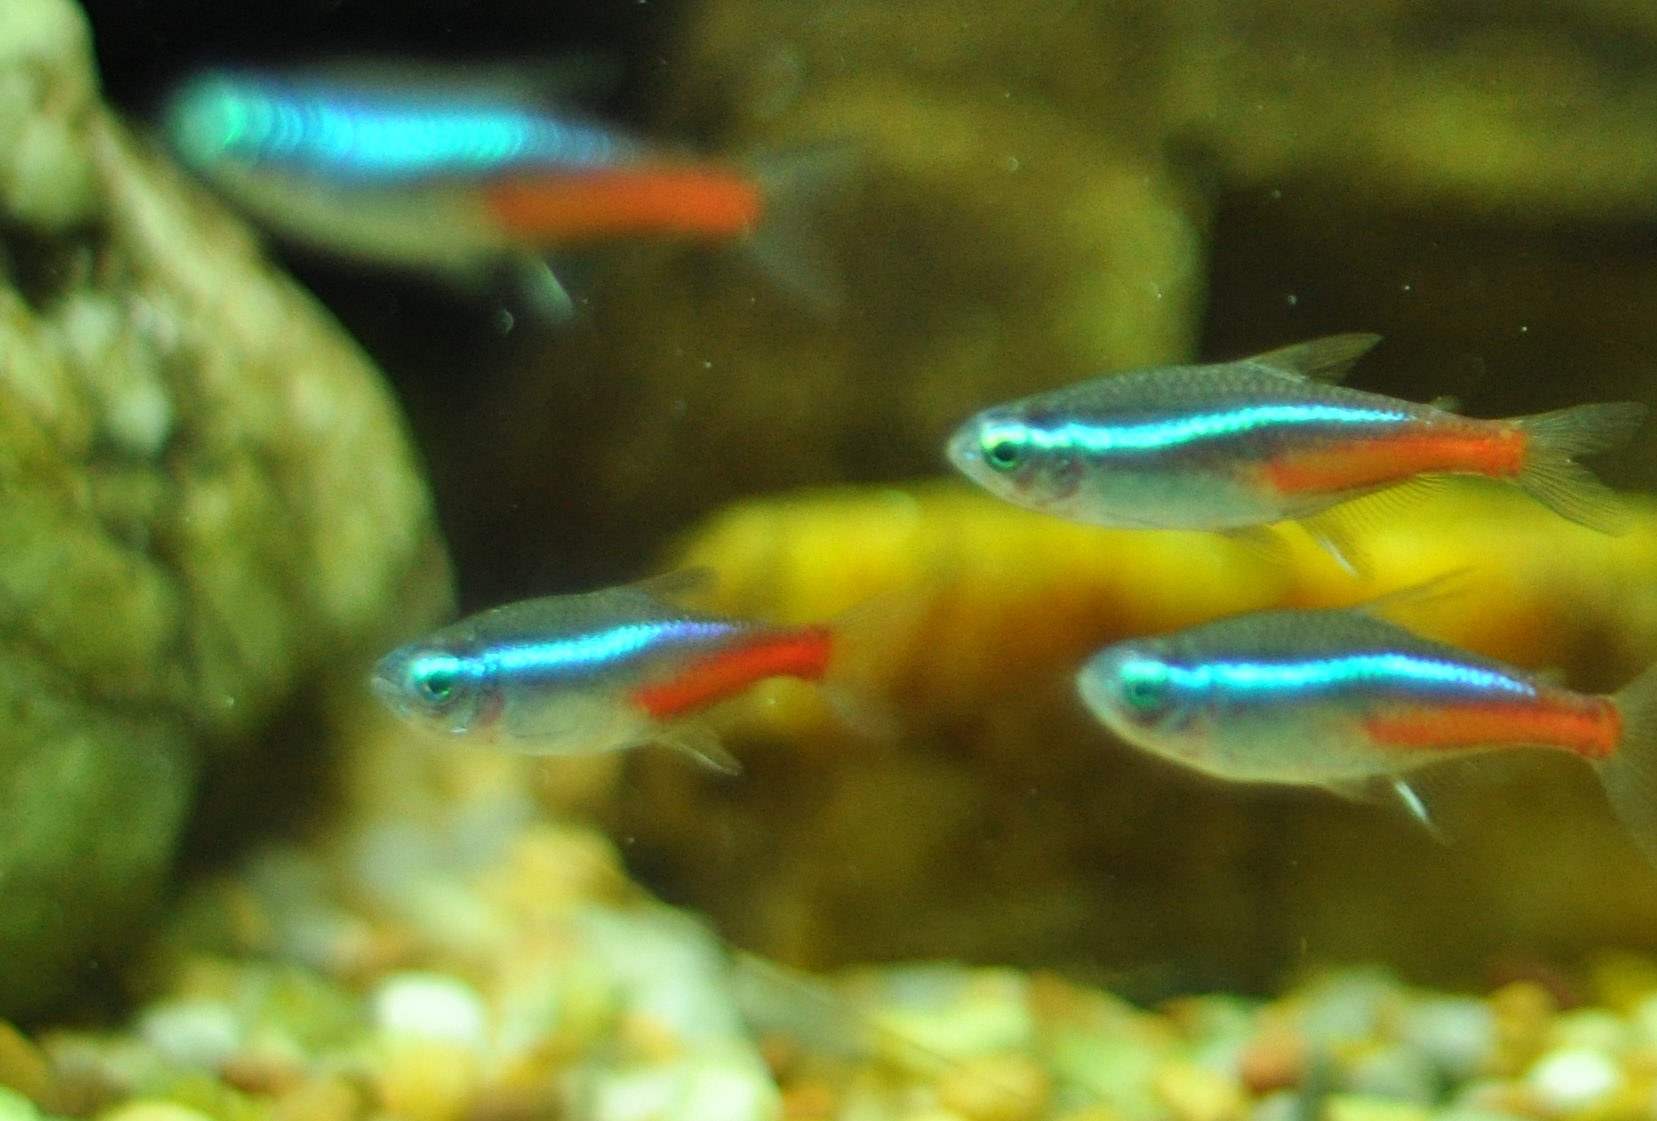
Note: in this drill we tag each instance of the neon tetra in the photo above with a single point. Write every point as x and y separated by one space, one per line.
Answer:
1242 444
593 672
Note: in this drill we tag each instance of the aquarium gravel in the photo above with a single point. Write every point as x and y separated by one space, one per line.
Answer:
487 963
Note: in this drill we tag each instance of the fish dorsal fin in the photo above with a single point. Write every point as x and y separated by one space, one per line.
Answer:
679 583
1325 360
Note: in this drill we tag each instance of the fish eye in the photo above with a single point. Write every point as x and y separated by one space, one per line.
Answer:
1145 690
1002 452
436 682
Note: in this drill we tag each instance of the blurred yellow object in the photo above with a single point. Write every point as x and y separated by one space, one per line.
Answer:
978 603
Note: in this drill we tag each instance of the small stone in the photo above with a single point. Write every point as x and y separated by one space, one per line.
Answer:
325 1099
1573 1078
1524 1013
22 1067
1346 1006
423 1080
432 1006
193 1033
705 1088
1456 1033
1590 1029
1357 1107
995 1088
1621 980
1197 1094
16 1107
1394 1072
145 1109
1279 1105
1273 1060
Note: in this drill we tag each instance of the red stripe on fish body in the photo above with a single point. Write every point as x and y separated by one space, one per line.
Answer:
703 201
705 680
1494 449
1588 726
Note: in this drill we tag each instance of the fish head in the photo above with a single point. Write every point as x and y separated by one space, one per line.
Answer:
1136 690
432 686
1011 454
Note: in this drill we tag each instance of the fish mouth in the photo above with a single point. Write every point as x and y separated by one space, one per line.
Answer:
962 450
386 682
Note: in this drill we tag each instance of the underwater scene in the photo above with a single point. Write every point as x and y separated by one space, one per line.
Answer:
755 560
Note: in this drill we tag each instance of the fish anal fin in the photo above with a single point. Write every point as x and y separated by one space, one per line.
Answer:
1343 529
1394 791
1327 359
1339 535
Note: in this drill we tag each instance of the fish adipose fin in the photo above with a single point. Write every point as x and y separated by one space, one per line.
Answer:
1629 774
1325 360
1554 440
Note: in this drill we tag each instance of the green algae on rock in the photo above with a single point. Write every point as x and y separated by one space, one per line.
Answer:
208 500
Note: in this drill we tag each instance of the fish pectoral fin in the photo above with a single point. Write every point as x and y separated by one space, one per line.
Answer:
543 294
701 742
1325 360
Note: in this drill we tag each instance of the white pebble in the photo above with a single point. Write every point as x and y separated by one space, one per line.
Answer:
1590 1029
729 1088
15 1107
431 1006
1456 1033
1572 1078
195 1033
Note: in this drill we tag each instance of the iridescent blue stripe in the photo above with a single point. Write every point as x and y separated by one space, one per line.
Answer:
1154 435
596 650
1321 674
351 134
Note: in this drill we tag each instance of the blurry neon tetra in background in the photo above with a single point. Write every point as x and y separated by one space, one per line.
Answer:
1237 445
1341 699
597 671
457 176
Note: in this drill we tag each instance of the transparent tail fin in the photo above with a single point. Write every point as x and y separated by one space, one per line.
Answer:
1551 474
1630 773
790 244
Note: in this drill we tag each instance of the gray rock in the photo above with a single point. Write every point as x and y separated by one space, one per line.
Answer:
208 499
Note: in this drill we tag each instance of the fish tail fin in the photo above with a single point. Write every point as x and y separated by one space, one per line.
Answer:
1629 774
1553 477
790 244
869 639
